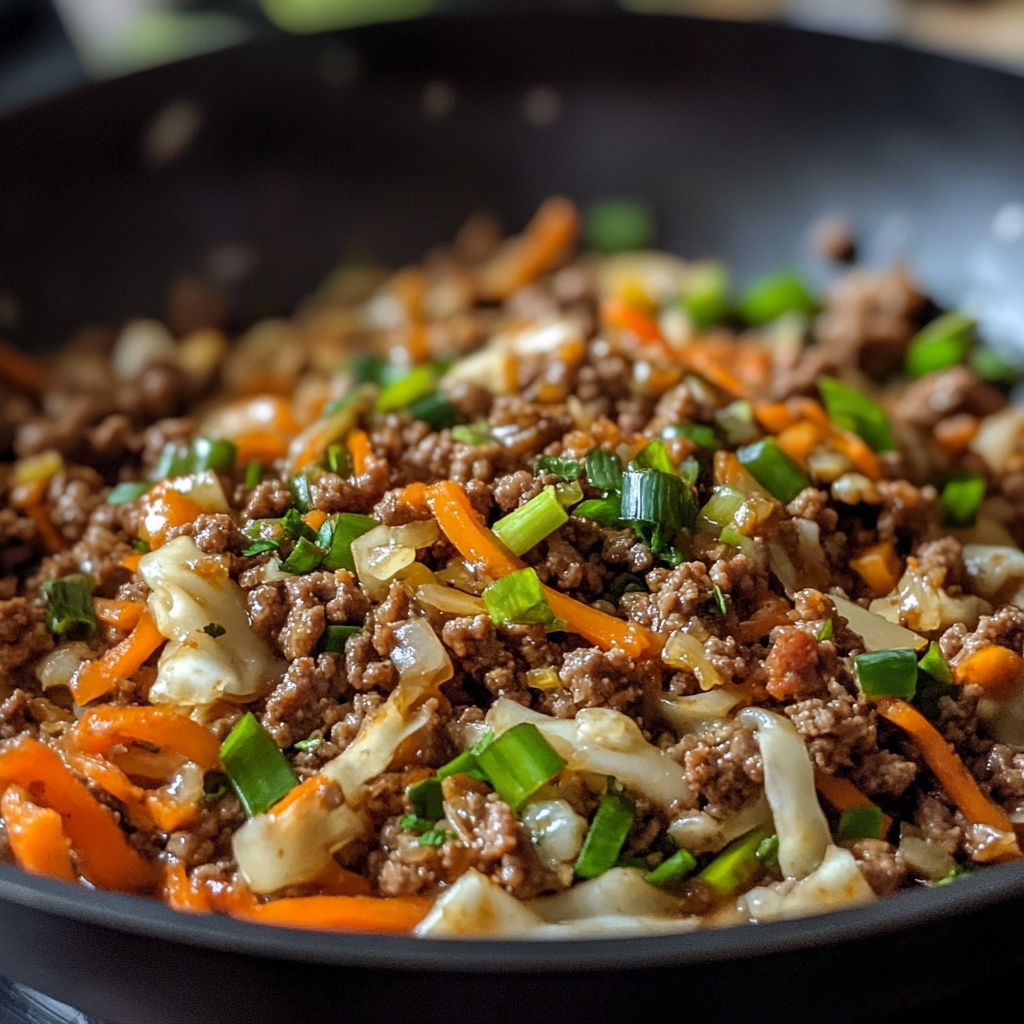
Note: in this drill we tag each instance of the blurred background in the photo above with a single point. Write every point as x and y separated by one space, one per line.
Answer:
50 45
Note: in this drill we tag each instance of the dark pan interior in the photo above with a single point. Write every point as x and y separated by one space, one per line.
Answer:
308 151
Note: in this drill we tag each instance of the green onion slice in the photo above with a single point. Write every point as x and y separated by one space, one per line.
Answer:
990 366
767 298
618 225
567 470
737 865
293 525
887 673
519 597
212 453
253 473
654 456
526 526
941 344
305 557
934 681
604 511
435 410
122 493
720 599
826 631
335 637
426 799
261 546
608 832
69 610
706 295
860 823
773 469
661 500
700 434
737 423
961 499
768 852
671 871
301 491
417 383
933 663
338 460
604 470
849 409
259 772
720 510
347 527
519 762
471 433
466 763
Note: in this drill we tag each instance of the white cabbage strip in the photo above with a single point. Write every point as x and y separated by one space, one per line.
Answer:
927 609
997 572
698 832
837 882
688 714
605 742
189 591
556 829
877 633
789 785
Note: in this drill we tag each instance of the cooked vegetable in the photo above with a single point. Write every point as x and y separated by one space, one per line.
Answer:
773 469
69 610
941 344
529 524
671 871
518 763
737 866
849 409
961 499
259 772
768 297
519 597
887 673
608 831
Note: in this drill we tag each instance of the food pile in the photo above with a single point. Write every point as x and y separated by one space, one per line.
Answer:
520 593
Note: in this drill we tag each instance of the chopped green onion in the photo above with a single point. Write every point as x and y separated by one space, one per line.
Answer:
417 383
961 499
69 610
338 460
935 665
260 546
414 823
618 225
370 369
426 799
773 469
934 681
941 344
700 434
519 597
253 473
720 510
737 865
259 772
633 862
671 871
768 852
172 461
887 673
466 763
826 631
720 599
212 453
990 366
654 456
604 470
347 527
565 469
767 298
471 433
958 871
214 629
604 511
689 470
433 837
660 500
860 823
737 422
305 557
736 539
519 762
216 785
627 583
311 744
301 492
435 410
335 637
706 295
528 525
142 546
292 524
122 493
849 409
569 494
608 832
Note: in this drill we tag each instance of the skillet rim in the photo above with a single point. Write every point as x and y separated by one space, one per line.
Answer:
148 918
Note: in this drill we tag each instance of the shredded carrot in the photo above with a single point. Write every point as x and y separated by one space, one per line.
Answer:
773 612
628 317
37 837
120 614
170 814
415 495
842 794
165 508
946 766
106 726
48 533
704 360
859 452
879 567
338 881
799 439
179 893
104 854
112 780
21 371
264 445
993 668
410 288
131 562
359 449
96 678
460 524
393 915
955 433
773 416
315 519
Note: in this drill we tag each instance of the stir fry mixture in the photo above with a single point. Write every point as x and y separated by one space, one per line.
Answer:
522 592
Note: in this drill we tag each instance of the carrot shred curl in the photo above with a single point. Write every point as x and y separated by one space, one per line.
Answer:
993 668
120 614
179 894
37 837
97 678
359 449
879 567
461 525
105 856
391 915
946 766
842 794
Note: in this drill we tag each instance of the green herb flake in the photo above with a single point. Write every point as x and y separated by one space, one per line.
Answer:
311 744
214 629
825 633
961 498
434 837
261 546
860 823
567 470
253 474
123 493
941 344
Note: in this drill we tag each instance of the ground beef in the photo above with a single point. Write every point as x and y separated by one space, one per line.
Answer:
333 493
723 766
516 489
306 698
270 499
1005 627
482 657
924 402
366 669
209 838
213 534
564 568
1004 767
878 863
610 679
23 636
835 731
675 595
70 499
907 511
19 539
942 561
937 823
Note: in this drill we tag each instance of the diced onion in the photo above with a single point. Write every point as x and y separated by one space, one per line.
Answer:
698 832
927 609
617 891
140 344
877 633
385 550
997 572
684 651
687 714
925 859
450 600
998 436
57 668
543 679
420 657
556 829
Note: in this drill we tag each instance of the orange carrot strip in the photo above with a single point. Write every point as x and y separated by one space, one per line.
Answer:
842 794
165 507
773 612
264 445
120 614
179 894
95 678
393 915
946 766
859 452
21 371
627 317
106 726
112 780
460 524
879 567
105 856
415 494
169 814
993 668
704 362
53 542
131 562
773 416
315 519
359 448
799 439
37 836
955 433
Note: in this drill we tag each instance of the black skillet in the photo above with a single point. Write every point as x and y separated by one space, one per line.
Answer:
312 149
